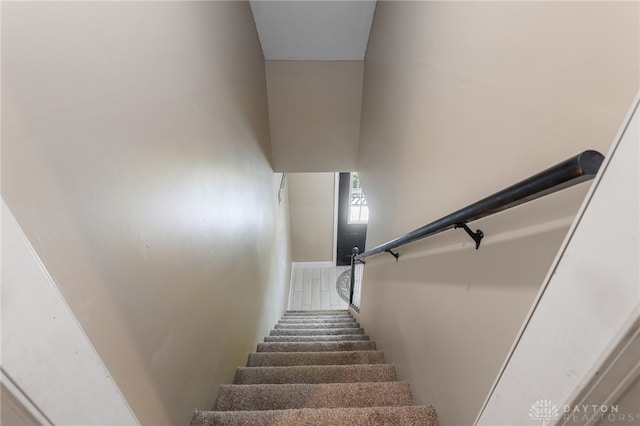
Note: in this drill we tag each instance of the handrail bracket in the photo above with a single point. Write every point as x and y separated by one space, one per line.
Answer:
476 236
396 254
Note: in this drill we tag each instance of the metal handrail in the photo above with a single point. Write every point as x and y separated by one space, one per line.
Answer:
577 169
352 284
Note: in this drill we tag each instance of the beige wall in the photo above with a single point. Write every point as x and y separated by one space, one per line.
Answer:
474 97
136 159
311 204
314 111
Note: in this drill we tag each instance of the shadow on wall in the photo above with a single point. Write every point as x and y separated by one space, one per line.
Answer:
448 320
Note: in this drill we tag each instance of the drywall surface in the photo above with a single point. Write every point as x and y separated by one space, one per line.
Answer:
590 301
460 100
314 111
136 161
44 350
311 199
447 319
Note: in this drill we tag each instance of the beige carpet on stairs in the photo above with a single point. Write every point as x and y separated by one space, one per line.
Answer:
316 368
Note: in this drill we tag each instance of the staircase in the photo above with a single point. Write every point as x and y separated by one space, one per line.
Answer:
316 368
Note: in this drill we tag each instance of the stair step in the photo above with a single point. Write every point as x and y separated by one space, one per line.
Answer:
314 332
287 320
368 416
315 374
324 317
298 326
263 359
320 312
316 346
316 368
301 395
331 338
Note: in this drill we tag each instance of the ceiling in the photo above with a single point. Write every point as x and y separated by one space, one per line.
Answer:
313 30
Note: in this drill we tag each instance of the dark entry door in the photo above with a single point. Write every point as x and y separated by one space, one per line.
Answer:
350 235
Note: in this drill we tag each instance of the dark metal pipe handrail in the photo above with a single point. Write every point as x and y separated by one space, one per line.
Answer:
352 284
580 168
353 274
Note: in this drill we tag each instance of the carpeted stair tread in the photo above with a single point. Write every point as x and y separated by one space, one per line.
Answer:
332 338
314 331
272 359
306 320
316 368
302 395
315 374
332 317
346 345
317 313
314 320
317 326
368 416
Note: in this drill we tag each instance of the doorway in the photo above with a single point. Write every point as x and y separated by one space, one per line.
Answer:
352 217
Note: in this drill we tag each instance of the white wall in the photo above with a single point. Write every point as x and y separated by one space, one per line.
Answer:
311 204
589 302
460 100
314 111
136 158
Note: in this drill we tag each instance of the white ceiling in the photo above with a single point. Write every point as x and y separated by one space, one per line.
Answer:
313 30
